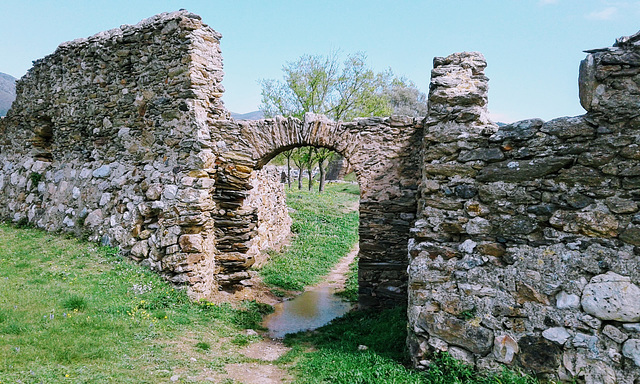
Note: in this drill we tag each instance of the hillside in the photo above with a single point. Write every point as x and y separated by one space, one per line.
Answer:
255 115
7 92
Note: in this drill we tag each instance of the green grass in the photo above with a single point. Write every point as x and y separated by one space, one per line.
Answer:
350 291
325 228
75 303
369 347
73 312
350 177
203 346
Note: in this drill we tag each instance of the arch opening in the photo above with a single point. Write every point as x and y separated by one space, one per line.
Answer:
237 221
325 224
385 155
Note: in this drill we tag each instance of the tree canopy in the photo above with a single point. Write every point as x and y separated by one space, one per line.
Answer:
321 84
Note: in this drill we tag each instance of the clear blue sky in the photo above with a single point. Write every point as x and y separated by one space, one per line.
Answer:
533 47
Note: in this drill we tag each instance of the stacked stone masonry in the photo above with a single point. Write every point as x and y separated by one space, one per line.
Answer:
515 246
384 154
122 138
525 250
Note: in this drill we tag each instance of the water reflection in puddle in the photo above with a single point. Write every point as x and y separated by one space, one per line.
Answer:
310 310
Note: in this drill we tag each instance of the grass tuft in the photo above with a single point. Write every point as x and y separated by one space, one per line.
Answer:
242 340
203 346
75 302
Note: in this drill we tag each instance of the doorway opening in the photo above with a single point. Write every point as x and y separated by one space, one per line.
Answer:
320 259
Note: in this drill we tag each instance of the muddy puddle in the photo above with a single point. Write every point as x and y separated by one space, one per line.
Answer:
312 309
315 307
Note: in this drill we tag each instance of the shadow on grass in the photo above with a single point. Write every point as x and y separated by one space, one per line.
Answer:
369 347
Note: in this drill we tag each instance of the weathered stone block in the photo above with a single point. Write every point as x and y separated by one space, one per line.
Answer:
538 354
556 334
518 131
522 170
191 243
169 236
631 235
591 223
505 348
567 301
612 297
140 249
614 333
465 334
478 226
94 218
484 154
631 350
102 172
566 127
154 192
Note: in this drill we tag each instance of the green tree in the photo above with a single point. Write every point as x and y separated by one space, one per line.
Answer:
323 156
309 155
404 97
297 155
319 84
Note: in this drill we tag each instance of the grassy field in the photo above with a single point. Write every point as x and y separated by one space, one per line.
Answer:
72 312
325 228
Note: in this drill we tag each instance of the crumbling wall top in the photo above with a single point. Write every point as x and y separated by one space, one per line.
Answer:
609 80
128 30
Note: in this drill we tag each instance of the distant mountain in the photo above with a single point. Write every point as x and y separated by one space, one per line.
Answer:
255 115
7 92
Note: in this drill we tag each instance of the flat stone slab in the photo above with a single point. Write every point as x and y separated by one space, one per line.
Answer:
612 297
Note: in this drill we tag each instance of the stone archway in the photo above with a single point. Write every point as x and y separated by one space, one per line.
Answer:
151 162
385 156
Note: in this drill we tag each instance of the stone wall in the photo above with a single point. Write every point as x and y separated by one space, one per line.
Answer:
525 251
122 138
274 223
108 139
103 140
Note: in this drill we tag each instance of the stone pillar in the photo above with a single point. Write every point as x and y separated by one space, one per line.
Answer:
456 126
609 81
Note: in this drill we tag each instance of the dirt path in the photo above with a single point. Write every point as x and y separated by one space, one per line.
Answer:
337 278
260 367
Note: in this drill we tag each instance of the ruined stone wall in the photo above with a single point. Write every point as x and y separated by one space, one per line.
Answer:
106 140
122 138
522 248
525 251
